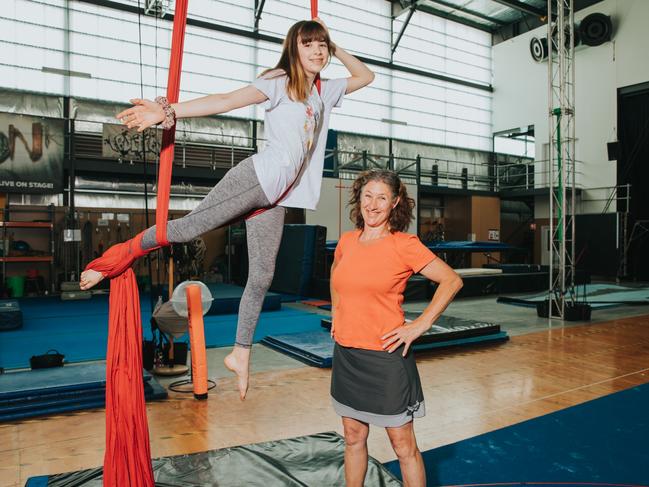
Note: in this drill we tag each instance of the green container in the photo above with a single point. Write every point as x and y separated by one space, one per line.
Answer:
17 286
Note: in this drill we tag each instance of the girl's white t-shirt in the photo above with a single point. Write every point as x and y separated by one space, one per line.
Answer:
296 136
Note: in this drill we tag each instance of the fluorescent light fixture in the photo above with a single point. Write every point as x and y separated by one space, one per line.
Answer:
66 72
393 122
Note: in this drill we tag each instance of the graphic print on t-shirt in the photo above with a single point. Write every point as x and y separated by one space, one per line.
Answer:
310 122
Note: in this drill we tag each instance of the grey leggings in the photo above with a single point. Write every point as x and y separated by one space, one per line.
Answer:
234 196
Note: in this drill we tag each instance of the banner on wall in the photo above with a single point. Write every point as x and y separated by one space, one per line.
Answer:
118 142
31 154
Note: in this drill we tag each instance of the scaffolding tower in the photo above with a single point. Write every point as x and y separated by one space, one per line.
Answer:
561 117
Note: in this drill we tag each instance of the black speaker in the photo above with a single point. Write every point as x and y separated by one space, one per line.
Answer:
539 48
595 29
611 148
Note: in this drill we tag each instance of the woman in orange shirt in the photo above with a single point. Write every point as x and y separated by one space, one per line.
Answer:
374 377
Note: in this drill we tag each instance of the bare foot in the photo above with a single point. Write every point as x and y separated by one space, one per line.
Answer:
238 361
89 279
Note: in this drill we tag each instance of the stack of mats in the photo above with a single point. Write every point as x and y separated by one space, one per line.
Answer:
56 390
298 259
316 347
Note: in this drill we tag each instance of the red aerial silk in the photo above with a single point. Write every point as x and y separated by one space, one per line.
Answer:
168 136
127 460
314 14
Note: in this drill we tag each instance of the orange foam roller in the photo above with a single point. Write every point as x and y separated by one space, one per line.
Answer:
197 339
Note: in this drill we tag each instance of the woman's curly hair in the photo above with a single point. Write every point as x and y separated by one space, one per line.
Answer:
400 216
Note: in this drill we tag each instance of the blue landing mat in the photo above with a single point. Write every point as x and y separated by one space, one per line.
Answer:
316 347
152 391
599 296
600 441
79 329
54 380
32 393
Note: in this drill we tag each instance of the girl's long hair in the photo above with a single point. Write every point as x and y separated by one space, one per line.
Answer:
289 62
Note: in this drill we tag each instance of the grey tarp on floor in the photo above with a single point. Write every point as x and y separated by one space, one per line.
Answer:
313 461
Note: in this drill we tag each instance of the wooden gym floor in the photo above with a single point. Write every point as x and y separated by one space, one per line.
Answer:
468 391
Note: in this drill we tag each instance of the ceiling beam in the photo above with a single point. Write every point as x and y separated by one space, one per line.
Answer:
473 13
259 8
523 7
413 7
455 18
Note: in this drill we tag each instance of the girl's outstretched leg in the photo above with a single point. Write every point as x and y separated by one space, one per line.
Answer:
264 234
234 196
113 262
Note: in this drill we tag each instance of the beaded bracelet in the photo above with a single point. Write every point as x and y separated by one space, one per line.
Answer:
170 113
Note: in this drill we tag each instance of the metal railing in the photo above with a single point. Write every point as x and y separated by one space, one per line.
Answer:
494 175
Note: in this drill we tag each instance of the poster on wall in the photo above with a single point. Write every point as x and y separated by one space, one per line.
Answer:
31 154
118 142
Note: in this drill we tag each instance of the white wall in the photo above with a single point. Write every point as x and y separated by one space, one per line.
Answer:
521 93
333 211
101 46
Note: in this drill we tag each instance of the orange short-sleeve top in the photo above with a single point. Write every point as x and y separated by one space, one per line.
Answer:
369 279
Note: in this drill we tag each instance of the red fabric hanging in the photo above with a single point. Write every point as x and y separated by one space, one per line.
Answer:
314 14
127 460
168 136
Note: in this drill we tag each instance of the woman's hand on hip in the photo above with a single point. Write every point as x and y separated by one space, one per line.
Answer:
403 335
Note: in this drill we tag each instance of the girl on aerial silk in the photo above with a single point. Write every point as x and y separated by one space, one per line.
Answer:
286 173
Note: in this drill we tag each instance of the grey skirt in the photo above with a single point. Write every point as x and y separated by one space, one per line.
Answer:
376 387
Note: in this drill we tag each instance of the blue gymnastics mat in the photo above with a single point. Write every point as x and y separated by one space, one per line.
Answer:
54 380
316 348
599 442
55 390
79 329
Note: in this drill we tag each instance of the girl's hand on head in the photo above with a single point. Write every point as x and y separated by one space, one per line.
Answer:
321 22
142 115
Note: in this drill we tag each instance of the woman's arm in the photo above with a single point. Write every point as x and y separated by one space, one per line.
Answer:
146 113
449 283
334 296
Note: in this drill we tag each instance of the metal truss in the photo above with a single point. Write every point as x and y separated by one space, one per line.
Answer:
561 117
